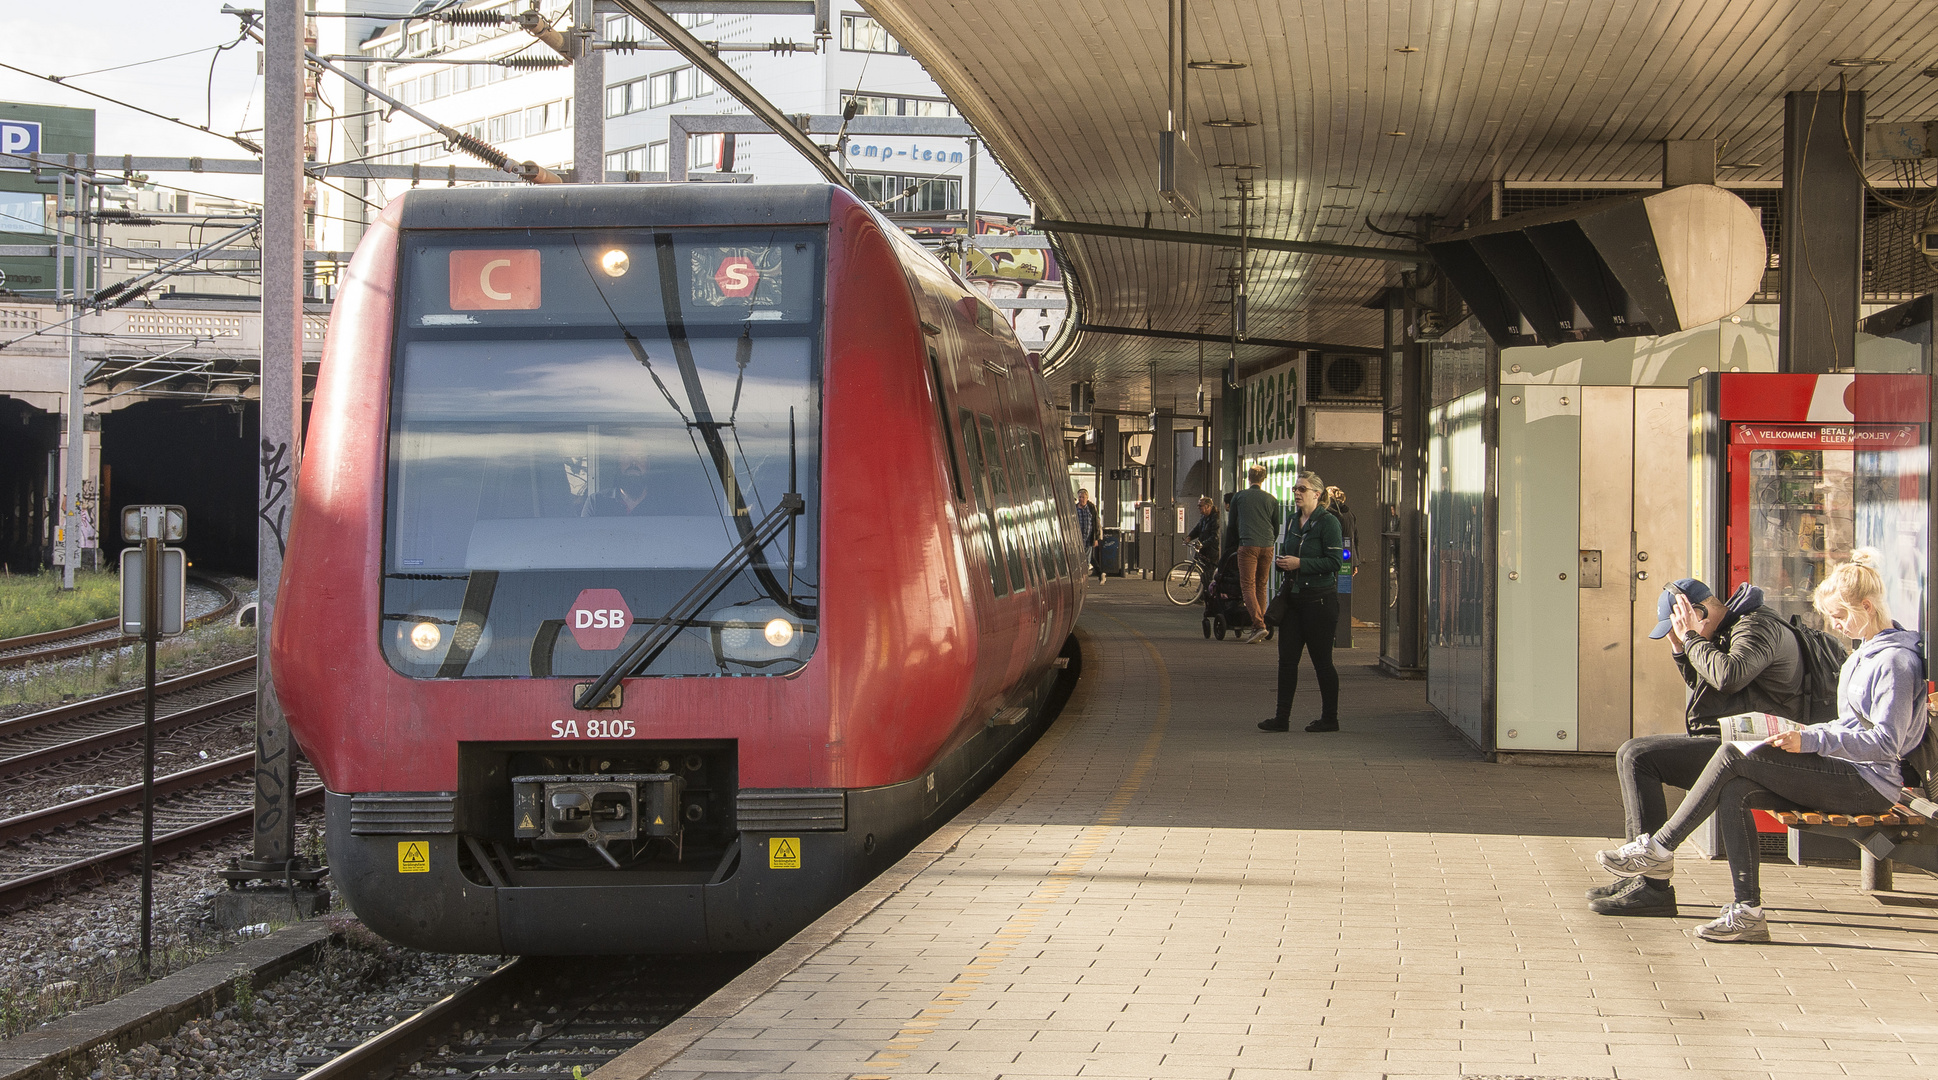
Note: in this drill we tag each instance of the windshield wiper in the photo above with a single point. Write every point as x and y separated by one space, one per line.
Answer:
682 614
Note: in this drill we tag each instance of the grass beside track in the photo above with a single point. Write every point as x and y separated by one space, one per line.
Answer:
36 603
22 689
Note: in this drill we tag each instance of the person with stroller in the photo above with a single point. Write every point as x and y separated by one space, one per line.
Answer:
1851 765
1310 553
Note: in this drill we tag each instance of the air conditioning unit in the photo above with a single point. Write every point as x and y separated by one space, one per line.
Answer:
1341 377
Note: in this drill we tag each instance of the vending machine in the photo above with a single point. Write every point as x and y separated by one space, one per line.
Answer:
1794 472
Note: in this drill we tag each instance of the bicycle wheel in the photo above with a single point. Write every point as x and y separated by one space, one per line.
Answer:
1181 584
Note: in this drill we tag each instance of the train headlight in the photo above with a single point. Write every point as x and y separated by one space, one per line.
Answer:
759 634
614 262
426 636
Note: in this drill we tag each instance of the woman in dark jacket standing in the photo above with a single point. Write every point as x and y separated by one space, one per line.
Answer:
1310 556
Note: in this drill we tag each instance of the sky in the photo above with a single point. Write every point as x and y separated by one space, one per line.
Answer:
68 39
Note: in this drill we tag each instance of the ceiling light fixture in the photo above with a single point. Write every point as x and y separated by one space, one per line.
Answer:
1407 49
1344 187
1395 134
1862 61
1237 165
1231 122
1739 164
1217 65
1336 206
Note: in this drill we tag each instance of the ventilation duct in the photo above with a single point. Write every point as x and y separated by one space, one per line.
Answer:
1649 263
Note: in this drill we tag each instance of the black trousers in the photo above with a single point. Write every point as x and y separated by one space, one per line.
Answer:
1645 764
1309 626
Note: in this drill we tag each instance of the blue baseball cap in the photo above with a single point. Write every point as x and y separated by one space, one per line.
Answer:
1665 604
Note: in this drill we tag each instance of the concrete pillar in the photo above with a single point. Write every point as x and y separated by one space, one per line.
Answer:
588 99
1403 591
1822 246
1110 457
1163 463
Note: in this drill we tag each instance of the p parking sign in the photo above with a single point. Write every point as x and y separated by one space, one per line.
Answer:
19 137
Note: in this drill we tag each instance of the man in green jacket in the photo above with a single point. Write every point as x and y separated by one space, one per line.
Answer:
1311 553
1255 521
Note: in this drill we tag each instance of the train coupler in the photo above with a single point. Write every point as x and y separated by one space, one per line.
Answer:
597 808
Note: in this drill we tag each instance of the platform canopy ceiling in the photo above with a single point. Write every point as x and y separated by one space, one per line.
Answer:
1364 108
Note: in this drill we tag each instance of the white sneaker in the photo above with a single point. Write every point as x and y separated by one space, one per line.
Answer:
1738 923
1640 857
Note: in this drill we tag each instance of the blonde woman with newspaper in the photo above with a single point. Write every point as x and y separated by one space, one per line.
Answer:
1847 766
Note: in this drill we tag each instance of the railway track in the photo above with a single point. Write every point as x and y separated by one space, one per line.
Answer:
99 835
75 750
95 735
534 1018
104 633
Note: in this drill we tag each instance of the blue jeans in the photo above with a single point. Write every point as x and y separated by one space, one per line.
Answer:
1765 778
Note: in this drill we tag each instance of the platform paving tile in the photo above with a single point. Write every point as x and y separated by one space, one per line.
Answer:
1166 892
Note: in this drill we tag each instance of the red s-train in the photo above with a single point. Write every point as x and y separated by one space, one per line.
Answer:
665 562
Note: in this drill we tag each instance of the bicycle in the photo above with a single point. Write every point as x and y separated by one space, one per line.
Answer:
1184 584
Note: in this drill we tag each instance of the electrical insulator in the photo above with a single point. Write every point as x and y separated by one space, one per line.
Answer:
533 63
471 18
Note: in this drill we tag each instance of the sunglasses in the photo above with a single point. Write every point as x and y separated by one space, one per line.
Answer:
1300 489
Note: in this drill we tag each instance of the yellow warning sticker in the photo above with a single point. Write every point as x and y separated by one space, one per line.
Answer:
413 857
526 823
784 853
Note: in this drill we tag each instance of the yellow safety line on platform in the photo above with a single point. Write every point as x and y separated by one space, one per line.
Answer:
917 1031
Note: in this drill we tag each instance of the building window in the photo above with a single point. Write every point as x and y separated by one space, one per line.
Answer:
859 33
504 128
702 152
932 193
679 84
22 213
893 105
142 264
627 28
551 116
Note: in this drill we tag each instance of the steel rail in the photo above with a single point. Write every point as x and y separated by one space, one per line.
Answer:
61 714
87 744
184 839
36 822
25 640
397 1044
62 652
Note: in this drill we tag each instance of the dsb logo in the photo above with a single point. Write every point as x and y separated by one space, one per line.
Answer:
599 619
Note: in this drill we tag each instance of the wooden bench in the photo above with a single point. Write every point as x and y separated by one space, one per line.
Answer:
1897 835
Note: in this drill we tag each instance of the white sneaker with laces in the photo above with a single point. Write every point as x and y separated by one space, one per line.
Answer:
1738 923
1640 857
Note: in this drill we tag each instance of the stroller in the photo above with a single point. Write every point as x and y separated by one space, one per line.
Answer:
1225 610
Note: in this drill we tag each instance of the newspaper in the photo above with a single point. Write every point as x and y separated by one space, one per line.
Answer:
1749 729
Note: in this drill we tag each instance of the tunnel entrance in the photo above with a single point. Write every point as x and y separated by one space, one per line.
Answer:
29 444
200 456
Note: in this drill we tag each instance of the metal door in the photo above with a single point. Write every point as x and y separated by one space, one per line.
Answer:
1610 444
1661 550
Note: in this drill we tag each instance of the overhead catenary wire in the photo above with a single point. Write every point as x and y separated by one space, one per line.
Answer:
237 139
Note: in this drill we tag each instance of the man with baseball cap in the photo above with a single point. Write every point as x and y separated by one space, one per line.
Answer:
1736 656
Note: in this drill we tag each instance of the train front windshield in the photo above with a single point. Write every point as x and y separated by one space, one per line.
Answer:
584 424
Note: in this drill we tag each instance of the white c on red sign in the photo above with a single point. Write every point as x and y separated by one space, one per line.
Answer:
484 280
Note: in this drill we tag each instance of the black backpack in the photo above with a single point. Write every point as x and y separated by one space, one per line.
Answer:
1823 661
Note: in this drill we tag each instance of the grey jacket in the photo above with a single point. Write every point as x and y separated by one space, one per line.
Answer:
1751 665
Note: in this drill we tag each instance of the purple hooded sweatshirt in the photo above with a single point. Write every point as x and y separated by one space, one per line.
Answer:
1880 710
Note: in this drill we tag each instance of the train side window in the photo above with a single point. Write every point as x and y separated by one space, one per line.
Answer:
998 470
983 522
948 429
1038 520
1052 509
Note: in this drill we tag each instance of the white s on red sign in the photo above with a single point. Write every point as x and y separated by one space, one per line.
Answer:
737 276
